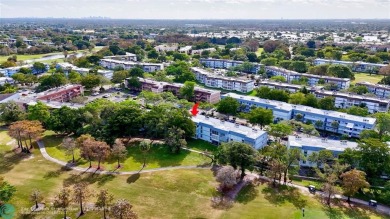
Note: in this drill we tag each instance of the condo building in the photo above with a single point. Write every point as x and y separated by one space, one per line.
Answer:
226 64
355 66
147 67
381 91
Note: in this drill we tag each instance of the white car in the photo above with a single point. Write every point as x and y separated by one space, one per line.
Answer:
95 93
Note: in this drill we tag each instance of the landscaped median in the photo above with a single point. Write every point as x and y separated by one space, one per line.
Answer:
158 157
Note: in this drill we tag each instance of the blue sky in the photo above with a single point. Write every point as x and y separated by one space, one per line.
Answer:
198 9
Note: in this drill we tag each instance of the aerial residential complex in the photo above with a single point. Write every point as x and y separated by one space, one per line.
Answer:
227 83
147 67
226 64
381 91
200 94
355 66
308 145
346 100
342 83
331 121
217 131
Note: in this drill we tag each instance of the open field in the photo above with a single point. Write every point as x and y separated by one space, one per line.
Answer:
157 157
364 77
165 194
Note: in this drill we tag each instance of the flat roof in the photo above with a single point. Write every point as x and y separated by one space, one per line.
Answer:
213 75
332 145
349 62
131 63
352 96
305 74
288 107
229 126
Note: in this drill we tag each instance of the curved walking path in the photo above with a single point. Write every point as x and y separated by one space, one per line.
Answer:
93 170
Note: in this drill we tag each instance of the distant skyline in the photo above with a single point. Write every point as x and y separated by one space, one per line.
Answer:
197 9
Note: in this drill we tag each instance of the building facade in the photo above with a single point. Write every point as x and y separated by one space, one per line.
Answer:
226 64
355 66
331 121
227 83
381 91
218 131
147 67
311 145
200 94
342 83
61 94
291 88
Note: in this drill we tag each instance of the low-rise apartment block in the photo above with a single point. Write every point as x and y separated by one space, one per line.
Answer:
292 88
61 94
8 72
67 67
218 131
347 100
332 121
310 145
200 94
227 83
128 57
380 90
342 83
226 64
355 66
147 67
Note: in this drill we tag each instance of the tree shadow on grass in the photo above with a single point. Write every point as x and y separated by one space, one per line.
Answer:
133 178
10 159
56 173
247 194
283 194
90 178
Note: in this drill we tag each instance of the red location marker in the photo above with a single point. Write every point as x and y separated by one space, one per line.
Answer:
195 110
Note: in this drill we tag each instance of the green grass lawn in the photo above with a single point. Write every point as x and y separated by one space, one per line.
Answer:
364 77
165 194
157 157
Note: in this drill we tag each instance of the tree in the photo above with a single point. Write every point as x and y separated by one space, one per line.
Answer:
279 130
90 81
81 194
118 151
228 177
358 111
134 83
359 89
330 175
374 157
269 61
187 91
383 123
62 200
150 97
104 201
119 76
6 191
271 45
100 151
340 71
50 81
74 77
144 147
311 44
292 157
297 98
39 112
385 71
319 124
310 100
278 78
326 103
238 155
228 106
65 120
36 197
69 145
260 116
335 125
175 139
321 157
136 72
39 67
11 112
85 143
122 209
353 181
299 66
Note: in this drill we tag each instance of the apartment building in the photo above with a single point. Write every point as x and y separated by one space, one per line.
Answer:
199 51
147 67
292 88
200 94
8 72
67 67
331 121
167 47
227 83
347 100
381 91
309 145
226 64
218 131
342 83
355 66
61 94
127 57
6 80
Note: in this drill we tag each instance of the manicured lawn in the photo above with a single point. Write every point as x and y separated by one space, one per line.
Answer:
259 51
165 194
200 145
28 57
157 157
364 77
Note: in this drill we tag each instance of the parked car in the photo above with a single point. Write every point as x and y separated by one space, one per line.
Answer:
95 93
106 96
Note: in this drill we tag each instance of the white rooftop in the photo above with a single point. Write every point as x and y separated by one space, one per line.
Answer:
332 145
228 126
